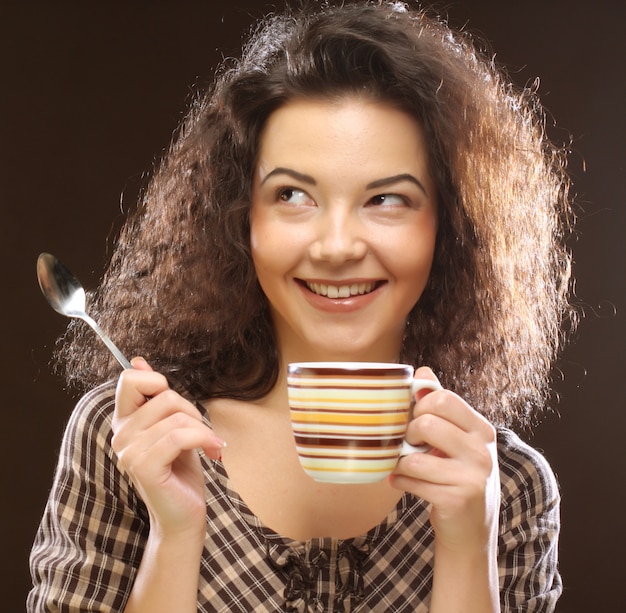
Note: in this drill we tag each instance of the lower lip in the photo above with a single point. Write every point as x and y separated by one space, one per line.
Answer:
339 305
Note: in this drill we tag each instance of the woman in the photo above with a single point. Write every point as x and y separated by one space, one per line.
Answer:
361 185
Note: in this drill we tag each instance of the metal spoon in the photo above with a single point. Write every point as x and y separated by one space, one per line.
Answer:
67 296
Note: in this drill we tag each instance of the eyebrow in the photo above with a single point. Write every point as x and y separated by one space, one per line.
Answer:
281 170
396 179
291 173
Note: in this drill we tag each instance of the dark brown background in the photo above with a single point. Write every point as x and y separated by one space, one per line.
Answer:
90 94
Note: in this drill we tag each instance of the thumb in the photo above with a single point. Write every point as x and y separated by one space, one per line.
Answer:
140 363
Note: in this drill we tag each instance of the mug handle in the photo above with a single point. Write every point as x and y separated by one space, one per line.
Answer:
416 386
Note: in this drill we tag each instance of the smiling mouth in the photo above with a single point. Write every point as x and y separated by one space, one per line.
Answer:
343 291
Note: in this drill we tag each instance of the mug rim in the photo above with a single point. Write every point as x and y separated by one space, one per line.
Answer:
295 368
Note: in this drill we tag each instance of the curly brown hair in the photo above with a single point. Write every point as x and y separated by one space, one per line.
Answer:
181 289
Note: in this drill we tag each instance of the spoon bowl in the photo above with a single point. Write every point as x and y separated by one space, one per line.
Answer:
66 296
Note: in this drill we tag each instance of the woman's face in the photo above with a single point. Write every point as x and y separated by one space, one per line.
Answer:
343 226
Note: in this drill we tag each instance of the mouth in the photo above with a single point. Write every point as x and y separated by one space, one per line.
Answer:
347 290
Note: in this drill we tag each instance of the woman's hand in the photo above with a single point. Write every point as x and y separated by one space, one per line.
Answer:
459 476
156 437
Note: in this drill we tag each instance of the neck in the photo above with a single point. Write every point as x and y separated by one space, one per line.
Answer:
311 354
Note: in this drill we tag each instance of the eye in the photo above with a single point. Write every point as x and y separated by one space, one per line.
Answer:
295 196
388 200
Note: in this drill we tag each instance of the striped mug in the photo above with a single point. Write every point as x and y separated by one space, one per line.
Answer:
349 418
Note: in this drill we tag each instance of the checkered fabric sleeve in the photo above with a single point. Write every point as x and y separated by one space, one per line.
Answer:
94 527
529 529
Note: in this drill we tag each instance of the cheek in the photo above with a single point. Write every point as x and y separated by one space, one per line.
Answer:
255 230
261 239
408 254
413 278
275 244
272 251
261 253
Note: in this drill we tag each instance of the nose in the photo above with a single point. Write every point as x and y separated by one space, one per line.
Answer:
339 237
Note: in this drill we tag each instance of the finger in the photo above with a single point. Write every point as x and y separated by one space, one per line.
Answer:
167 402
433 478
153 465
426 476
450 407
423 372
135 387
167 439
438 433
196 436
160 407
448 440
423 467
139 363
469 451
435 493
442 480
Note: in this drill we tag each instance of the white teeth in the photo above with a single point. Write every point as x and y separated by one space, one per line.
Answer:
341 291
344 291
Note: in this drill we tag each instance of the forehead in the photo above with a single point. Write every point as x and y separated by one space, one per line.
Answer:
371 137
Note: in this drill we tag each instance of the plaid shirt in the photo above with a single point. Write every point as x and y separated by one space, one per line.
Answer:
91 539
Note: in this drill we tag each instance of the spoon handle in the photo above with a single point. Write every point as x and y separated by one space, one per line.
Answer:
119 356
